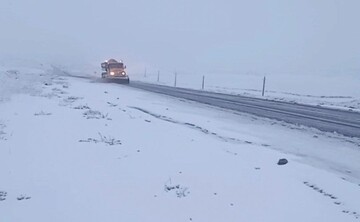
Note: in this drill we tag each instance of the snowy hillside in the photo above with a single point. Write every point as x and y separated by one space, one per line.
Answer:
75 149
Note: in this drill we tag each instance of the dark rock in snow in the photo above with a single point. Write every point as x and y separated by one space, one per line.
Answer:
23 197
282 162
3 195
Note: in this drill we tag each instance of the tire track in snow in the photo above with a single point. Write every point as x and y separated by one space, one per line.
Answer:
333 198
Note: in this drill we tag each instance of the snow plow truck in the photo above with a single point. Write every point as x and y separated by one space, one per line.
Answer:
114 71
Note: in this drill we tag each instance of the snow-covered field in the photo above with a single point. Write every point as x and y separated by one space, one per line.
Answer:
74 149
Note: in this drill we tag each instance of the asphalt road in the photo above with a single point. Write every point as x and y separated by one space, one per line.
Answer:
342 122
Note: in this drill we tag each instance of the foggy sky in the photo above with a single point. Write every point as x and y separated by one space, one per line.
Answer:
202 36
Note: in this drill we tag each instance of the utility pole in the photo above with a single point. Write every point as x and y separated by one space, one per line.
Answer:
175 79
145 73
263 90
158 79
203 82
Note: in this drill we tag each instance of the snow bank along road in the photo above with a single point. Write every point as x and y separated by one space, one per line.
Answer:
329 120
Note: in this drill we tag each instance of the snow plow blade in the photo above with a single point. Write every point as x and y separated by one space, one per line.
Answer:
119 81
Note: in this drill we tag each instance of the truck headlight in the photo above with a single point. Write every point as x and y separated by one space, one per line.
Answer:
112 73
123 73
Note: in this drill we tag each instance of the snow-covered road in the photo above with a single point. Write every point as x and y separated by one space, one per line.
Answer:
78 150
329 120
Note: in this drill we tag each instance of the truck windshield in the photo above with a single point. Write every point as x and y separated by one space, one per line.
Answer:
116 66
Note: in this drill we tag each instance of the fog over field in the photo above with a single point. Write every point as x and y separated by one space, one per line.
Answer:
205 36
